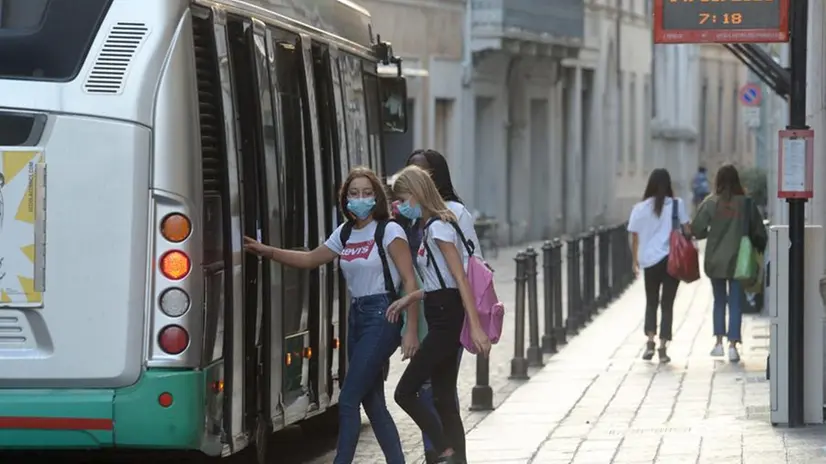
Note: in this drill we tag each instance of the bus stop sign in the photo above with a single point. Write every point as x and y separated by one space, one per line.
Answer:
702 21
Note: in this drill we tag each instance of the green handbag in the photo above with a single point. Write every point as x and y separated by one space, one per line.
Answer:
422 321
746 269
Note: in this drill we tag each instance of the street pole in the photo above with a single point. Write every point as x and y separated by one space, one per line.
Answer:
799 16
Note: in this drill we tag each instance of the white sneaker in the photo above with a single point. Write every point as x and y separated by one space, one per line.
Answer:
717 351
733 355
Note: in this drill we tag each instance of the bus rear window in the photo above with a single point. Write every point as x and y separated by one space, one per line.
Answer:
47 39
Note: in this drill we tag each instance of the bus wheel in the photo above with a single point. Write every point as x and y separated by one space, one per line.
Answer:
263 438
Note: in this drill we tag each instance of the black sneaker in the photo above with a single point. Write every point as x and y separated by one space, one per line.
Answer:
649 351
663 356
452 459
431 457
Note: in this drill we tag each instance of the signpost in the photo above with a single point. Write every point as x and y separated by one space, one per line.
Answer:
751 95
721 21
702 21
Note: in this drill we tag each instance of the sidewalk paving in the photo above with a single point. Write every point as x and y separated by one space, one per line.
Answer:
598 402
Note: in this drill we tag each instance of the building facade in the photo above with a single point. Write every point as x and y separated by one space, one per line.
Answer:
541 108
630 149
725 133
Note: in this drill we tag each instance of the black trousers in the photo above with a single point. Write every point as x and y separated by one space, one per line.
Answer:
436 360
656 279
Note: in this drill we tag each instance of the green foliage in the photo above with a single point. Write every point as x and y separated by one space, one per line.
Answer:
755 181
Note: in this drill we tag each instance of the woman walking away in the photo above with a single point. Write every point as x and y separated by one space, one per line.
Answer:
435 164
442 260
362 244
650 225
724 218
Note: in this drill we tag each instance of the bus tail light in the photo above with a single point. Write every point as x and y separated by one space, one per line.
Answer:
308 352
176 227
165 399
174 302
175 265
173 339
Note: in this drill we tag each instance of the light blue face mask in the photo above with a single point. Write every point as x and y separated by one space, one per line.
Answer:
361 207
410 212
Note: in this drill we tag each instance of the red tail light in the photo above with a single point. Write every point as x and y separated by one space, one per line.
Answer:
173 339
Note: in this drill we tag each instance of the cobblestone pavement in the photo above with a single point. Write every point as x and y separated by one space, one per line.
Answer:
598 402
368 450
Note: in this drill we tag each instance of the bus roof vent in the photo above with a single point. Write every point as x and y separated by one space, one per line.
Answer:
112 63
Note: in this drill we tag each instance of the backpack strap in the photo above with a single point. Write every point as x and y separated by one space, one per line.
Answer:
346 231
381 226
430 259
746 216
469 245
675 220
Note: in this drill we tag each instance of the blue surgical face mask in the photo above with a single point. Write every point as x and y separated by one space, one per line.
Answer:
361 207
410 212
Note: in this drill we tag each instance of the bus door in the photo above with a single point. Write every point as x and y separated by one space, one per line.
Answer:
299 217
250 144
328 120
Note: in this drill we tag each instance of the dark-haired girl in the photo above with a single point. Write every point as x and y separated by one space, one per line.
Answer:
371 336
723 218
650 225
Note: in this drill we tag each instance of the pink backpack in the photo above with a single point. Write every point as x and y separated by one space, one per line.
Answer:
491 310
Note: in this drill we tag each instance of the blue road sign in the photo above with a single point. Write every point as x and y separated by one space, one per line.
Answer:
751 95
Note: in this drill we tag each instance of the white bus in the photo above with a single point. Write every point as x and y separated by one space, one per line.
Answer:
140 140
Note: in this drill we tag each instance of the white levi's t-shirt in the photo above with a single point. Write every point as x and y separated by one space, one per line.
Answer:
359 260
443 231
467 225
653 231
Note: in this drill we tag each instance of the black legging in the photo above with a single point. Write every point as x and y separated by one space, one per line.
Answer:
436 360
657 276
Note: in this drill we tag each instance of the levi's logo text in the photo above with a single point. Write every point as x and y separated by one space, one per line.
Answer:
360 250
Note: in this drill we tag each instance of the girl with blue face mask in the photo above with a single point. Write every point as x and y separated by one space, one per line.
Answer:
372 337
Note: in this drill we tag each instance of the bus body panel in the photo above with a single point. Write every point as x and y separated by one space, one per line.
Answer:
135 101
129 417
88 332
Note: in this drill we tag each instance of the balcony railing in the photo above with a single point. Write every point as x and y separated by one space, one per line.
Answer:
552 22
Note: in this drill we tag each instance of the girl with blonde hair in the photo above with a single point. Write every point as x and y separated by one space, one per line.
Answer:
442 260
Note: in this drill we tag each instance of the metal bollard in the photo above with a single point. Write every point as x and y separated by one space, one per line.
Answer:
559 322
481 397
534 351
588 275
571 324
627 263
577 296
519 365
549 336
604 297
615 260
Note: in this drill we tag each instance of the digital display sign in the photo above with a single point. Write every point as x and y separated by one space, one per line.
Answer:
721 21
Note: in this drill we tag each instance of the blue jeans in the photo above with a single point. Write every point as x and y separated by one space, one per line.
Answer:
731 296
371 340
426 395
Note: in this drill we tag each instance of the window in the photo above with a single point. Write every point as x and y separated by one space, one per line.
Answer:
37 42
632 124
704 116
621 112
735 117
648 155
719 116
444 116
355 109
295 207
374 133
